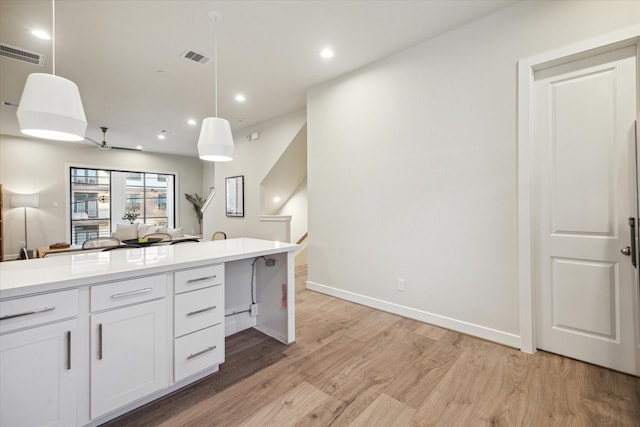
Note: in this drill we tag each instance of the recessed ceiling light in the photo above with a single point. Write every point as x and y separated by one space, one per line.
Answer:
192 122
161 136
41 34
276 199
327 53
240 97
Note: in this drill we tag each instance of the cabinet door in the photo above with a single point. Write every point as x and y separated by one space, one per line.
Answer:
128 355
38 372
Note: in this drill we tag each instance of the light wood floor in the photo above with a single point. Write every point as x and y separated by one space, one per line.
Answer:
355 366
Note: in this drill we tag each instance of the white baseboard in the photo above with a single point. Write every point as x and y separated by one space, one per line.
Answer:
479 331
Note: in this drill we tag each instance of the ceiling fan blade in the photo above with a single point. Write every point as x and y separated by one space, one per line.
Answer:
104 146
125 148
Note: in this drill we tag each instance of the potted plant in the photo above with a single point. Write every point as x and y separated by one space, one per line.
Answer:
197 202
131 215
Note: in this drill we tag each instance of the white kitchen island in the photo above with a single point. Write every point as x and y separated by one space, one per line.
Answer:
87 337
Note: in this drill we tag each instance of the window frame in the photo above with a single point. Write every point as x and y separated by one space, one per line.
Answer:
113 220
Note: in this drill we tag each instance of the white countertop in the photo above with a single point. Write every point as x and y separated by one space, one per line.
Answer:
19 278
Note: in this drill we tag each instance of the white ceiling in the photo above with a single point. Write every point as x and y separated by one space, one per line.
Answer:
125 56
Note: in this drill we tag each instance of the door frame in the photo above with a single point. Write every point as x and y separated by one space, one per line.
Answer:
526 68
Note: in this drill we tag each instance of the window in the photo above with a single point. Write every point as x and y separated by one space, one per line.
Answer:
100 198
90 214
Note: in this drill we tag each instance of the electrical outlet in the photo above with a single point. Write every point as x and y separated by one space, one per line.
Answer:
254 310
269 262
400 285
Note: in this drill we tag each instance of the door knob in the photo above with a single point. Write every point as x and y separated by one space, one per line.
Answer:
626 251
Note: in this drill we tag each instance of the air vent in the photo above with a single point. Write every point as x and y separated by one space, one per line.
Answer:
21 55
194 56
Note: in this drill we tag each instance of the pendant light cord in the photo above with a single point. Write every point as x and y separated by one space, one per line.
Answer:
53 36
215 68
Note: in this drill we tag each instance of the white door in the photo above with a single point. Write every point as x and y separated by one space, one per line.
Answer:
586 300
637 212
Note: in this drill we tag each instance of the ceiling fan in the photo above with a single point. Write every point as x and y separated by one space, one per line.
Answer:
104 146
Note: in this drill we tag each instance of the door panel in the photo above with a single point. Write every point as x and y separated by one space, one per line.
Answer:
585 305
581 160
584 295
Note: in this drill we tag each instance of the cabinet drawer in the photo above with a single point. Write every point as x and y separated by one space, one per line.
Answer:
197 351
30 311
127 292
198 309
197 278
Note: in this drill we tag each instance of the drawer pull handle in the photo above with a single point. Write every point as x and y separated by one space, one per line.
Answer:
206 350
68 350
127 294
200 279
202 310
100 341
27 313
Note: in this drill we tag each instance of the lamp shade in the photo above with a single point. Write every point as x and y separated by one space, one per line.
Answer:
216 142
51 108
25 201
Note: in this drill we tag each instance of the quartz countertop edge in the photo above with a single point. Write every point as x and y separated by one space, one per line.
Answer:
19 278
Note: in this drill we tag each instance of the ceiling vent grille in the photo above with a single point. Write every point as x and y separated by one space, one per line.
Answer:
194 56
21 55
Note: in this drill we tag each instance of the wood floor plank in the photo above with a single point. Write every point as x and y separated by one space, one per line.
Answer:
371 324
611 398
287 409
384 411
336 356
508 402
383 359
413 385
573 393
244 398
460 390
325 414
378 363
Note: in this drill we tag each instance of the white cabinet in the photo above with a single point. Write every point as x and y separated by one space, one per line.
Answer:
198 320
128 343
39 360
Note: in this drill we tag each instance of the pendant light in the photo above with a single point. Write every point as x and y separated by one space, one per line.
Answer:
216 142
50 106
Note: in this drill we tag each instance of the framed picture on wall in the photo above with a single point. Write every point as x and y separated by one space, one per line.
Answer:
234 187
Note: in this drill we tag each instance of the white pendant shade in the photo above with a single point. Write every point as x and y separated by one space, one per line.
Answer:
216 142
51 108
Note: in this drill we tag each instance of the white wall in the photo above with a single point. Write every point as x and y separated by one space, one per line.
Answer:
38 166
412 168
296 207
254 160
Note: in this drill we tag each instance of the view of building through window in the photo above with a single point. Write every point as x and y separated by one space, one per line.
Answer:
101 198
